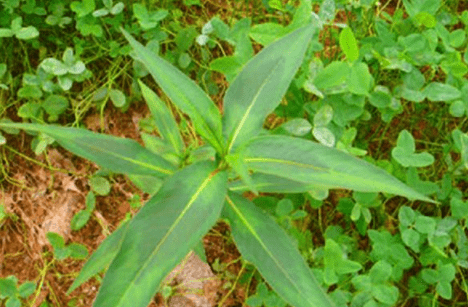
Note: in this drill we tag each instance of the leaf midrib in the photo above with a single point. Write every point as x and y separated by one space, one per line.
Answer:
285 162
168 233
84 144
255 235
251 105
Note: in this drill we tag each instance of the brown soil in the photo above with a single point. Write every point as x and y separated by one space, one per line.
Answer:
40 199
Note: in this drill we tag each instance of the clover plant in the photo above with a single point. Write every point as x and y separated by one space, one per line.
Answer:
11 294
198 186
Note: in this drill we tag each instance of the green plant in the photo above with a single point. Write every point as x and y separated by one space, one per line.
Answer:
16 29
80 219
12 294
62 251
195 192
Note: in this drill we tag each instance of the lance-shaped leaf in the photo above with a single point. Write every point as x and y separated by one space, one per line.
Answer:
309 162
264 243
102 257
162 233
184 93
267 183
258 88
119 155
163 119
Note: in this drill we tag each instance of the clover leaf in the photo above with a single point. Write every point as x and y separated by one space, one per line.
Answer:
336 262
405 154
19 31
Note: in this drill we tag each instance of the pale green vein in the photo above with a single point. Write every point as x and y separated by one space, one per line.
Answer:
285 162
256 236
252 104
169 232
137 162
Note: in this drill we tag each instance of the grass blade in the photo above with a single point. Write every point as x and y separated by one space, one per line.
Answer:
162 233
258 88
119 155
184 93
309 162
262 242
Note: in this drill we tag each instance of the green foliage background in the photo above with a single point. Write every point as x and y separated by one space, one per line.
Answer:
372 76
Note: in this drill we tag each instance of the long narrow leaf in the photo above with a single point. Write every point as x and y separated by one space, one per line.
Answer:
309 162
258 88
184 93
262 242
102 257
119 155
271 184
163 118
162 233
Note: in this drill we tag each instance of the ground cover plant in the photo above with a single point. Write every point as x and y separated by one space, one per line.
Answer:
334 80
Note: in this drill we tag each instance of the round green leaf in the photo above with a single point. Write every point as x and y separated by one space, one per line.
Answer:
426 19
360 79
436 91
284 207
457 38
444 289
348 44
6 33
100 185
411 238
29 91
323 116
80 219
7 287
380 97
65 82
27 33
459 208
55 240
100 13
117 9
385 294
404 152
13 302
425 224
184 60
29 110
77 68
406 216
27 289
54 66
118 98
332 75
78 251
55 105
297 126
457 108
324 136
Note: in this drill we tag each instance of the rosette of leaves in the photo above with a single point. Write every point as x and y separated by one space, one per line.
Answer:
192 198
